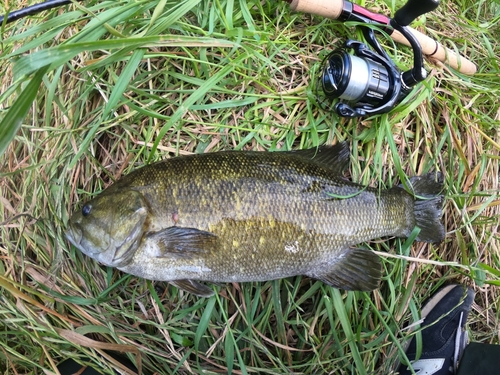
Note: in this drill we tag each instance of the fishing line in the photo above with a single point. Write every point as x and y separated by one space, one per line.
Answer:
33 9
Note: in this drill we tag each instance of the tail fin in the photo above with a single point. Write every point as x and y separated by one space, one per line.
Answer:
428 206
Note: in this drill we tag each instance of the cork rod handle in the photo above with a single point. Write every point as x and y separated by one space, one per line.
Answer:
333 8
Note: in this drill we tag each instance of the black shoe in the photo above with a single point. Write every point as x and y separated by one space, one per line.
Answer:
443 335
71 367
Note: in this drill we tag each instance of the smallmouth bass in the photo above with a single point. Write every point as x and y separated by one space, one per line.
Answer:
237 216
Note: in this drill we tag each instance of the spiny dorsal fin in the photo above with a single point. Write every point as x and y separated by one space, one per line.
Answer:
193 287
357 269
182 241
334 158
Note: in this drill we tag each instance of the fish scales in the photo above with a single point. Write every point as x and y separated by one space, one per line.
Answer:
251 216
203 193
242 199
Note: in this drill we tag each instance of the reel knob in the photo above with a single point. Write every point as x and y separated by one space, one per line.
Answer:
413 9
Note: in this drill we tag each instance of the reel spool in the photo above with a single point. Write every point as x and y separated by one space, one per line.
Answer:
367 81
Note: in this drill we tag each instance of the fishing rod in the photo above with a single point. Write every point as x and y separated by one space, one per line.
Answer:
368 82
342 10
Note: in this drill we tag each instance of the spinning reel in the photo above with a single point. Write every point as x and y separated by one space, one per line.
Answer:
368 82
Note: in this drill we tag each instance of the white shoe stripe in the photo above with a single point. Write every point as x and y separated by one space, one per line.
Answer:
460 341
427 366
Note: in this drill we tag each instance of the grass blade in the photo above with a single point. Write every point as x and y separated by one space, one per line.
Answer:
340 308
204 322
120 87
198 94
14 117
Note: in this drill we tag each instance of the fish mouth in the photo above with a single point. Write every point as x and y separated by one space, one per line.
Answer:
74 234
110 254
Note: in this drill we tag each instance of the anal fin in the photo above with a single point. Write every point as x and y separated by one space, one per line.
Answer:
193 287
357 269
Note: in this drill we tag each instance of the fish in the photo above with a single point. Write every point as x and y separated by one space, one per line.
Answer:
241 216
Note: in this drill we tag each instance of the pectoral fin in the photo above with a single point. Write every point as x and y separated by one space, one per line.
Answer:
182 241
193 287
357 269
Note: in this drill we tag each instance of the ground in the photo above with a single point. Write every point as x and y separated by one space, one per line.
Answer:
93 90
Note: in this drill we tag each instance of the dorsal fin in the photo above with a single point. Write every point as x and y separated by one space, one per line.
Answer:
333 158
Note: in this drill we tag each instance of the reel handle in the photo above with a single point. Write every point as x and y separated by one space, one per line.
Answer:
413 9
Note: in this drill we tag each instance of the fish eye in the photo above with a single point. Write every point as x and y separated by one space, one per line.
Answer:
86 209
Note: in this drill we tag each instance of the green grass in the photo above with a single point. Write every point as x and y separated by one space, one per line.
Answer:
94 90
